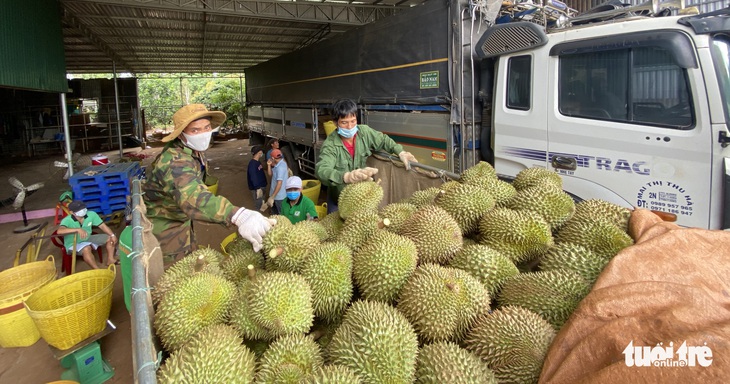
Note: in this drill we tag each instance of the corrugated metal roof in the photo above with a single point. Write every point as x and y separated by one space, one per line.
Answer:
193 36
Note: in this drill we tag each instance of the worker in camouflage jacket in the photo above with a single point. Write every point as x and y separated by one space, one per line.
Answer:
175 192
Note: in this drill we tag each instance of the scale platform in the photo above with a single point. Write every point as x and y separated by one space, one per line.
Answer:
83 362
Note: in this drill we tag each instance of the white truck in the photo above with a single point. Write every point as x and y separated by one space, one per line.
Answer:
628 108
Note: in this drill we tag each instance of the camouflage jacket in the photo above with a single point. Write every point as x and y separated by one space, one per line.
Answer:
175 191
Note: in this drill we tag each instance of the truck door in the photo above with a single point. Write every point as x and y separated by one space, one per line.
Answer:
629 122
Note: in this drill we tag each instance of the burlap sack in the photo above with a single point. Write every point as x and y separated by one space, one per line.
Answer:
671 287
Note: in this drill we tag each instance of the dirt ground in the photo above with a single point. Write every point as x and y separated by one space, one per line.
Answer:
36 364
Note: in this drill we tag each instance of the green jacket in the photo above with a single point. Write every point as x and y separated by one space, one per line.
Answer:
175 191
335 161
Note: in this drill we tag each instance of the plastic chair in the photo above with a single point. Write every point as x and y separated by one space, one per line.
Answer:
68 263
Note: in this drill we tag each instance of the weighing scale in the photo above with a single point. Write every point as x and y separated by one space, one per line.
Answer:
83 362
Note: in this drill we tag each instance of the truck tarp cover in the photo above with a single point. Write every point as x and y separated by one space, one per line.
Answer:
399 59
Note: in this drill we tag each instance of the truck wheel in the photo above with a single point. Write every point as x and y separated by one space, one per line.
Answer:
289 157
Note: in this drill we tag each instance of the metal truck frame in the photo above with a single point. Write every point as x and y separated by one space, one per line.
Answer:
628 108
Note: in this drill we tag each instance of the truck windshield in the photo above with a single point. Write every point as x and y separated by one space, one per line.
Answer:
721 58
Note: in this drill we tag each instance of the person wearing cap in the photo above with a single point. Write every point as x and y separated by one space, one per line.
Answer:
342 158
279 174
256 177
79 225
175 192
297 207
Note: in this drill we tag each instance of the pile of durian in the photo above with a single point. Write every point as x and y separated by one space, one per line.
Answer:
466 283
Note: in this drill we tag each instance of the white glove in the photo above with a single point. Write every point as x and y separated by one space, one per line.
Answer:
406 158
270 201
252 226
259 193
358 175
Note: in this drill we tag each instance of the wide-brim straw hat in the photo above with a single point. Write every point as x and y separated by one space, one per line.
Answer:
190 113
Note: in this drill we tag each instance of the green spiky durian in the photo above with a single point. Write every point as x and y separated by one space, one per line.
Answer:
328 270
601 237
481 170
332 223
501 191
575 258
424 197
436 234
194 303
554 205
281 302
287 247
201 260
595 209
487 265
359 197
240 313
213 355
316 228
518 235
537 177
240 255
377 342
442 303
446 362
551 294
281 220
393 215
358 229
333 374
383 265
448 185
466 204
513 341
289 360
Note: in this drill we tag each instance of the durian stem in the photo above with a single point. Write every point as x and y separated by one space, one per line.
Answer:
276 252
200 263
251 272
316 334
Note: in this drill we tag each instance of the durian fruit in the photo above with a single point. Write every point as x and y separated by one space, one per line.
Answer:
333 374
501 191
393 215
287 246
442 303
359 197
332 223
377 342
383 265
424 197
552 294
213 355
466 204
518 235
281 220
596 209
601 237
316 228
201 260
446 362
513 341
289 360
436 234
358 229
554 205
487 265
449 184
240 313
281 302
194 303
537 177
479 171
240 255
328 270
575 258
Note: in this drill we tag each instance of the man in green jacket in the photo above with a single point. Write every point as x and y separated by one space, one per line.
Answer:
175 192
343 156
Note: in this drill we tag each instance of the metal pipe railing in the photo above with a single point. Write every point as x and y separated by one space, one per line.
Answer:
440 172
144 357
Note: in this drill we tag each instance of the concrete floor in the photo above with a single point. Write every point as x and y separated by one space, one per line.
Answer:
36 364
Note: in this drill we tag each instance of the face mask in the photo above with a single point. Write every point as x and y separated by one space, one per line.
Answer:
81 213
347 133
199 142
293 195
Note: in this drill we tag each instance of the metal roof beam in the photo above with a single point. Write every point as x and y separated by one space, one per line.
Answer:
136 31
317 12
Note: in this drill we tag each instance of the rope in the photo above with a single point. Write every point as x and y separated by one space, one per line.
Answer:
155 363
145 289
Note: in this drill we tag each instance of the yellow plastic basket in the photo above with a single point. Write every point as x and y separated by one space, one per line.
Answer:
73 308
311 189
16 285
227 241
321 210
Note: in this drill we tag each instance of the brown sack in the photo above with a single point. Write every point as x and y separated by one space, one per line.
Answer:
672 286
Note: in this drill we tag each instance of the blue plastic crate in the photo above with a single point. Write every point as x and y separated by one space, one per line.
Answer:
109 174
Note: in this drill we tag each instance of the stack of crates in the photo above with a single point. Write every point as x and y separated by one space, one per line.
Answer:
105 188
